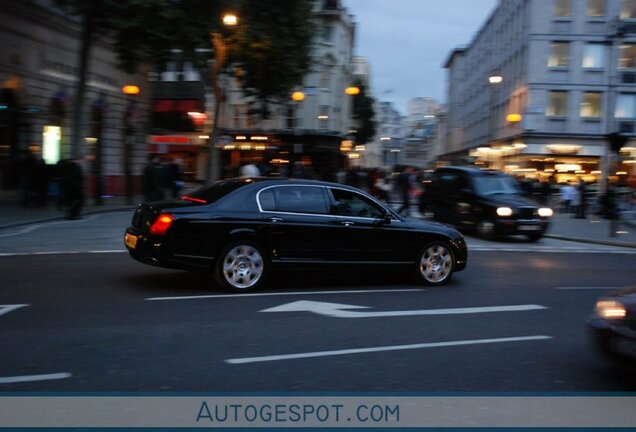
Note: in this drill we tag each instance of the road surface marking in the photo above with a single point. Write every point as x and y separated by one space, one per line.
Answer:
31 228
381 349
282 294
5 254
590 288
337 310
8 308
607 250
31 378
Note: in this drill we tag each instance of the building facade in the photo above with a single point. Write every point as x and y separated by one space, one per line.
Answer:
390 135
310 134
38 73
541 86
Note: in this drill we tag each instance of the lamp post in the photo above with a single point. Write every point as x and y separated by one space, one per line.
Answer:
213 169
495 79
128 139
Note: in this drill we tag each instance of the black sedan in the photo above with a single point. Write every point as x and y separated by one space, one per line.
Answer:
241 228
613 325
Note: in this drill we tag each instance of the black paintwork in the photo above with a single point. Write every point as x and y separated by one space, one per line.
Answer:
614 336
461 204
201 230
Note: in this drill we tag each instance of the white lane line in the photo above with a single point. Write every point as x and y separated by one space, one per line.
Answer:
282 294
382 349
609 250
8 308
9 254
590 288
31 228
31 378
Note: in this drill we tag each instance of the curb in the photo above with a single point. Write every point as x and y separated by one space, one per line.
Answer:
599 242
61 218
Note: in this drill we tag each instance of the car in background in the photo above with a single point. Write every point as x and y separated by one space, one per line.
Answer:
613 325
239 229
487 202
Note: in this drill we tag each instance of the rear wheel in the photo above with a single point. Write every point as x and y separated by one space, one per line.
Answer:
435 264
241 267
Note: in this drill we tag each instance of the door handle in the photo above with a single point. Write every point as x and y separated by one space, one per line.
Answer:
347 223
275 219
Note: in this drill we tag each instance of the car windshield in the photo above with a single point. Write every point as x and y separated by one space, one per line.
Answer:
496 185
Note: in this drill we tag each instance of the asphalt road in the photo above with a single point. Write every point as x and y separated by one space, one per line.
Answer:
99 321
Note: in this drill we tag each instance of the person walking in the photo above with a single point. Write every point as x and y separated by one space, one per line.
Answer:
150 180
73 181
405 184
582 209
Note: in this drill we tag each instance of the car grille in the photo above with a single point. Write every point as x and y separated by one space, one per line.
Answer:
526 213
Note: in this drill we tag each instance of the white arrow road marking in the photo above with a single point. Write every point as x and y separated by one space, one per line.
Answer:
337 310
8 308
381 349
31 378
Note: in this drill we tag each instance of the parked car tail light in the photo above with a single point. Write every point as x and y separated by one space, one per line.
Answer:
545 212
161 224
504 211
610 309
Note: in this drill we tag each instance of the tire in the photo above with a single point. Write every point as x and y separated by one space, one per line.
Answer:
534 237
435 264
486 229
241 267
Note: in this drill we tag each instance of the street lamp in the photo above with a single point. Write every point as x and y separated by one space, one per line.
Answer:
495 79
213 171
130 91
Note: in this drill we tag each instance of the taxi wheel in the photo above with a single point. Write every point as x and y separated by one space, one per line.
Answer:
534 237
241 267
435 264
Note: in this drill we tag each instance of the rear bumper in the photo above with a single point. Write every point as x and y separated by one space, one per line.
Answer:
152 251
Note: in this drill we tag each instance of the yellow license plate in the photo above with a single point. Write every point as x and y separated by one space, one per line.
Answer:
130 240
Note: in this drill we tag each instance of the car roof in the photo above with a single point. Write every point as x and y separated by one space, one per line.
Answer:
262 182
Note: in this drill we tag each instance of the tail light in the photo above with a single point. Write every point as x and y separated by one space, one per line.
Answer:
161 224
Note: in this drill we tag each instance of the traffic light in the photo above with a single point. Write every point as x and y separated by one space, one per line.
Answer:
617 141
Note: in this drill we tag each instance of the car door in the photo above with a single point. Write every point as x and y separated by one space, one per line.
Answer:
297 222
362 233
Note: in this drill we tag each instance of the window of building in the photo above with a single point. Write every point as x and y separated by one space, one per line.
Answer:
625 106
327 33
291 120
190 73
562 8
557 104
559 54
591 105
593 56
628 9
627 59
325 76
596 8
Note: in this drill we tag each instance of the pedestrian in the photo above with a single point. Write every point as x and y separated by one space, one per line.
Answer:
249 170
73 181
150 180
582 209
567 192
174 174
405 186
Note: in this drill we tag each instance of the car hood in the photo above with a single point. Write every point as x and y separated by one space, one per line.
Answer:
626 296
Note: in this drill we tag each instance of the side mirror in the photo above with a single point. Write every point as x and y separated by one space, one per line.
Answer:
384 219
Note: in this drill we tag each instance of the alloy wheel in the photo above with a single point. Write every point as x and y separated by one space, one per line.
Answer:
436 263
243 266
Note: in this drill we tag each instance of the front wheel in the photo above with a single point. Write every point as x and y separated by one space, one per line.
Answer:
534 237
435 264
241 267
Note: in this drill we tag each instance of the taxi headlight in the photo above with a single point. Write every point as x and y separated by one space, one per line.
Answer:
610 309
504 211
545 212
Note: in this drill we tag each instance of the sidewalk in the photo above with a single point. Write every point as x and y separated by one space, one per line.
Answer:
592 230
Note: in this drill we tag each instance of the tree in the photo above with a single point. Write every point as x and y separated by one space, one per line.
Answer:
271 49
364 112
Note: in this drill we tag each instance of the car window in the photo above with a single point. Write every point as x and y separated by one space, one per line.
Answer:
266 200
300 199
353 204
496 185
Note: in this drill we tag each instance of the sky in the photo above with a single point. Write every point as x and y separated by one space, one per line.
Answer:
408 41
